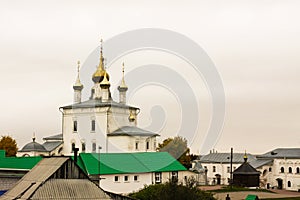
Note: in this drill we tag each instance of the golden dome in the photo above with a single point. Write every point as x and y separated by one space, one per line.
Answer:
105 82
100 72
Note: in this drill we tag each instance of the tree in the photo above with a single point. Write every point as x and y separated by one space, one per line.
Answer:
8 144
177 147
171 191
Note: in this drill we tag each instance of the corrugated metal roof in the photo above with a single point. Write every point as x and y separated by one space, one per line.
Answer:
225 158
92 103
50 146
260 162
120 163
54 137
34 178
69 189
282 153
132 131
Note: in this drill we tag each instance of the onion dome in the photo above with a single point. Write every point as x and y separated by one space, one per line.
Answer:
100 72
105 83
78 85
33 146
123 86
131 117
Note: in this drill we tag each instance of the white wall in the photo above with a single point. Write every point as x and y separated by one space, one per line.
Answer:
221 169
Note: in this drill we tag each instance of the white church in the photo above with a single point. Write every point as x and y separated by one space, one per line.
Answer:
99 123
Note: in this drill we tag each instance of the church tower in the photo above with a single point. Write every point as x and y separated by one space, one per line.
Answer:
77 86
105 85
98 76
122 88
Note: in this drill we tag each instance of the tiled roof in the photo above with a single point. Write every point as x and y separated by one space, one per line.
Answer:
132 131
282 153
120 163
225 158
92 103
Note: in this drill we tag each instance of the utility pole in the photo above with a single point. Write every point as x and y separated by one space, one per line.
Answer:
99 164
231 157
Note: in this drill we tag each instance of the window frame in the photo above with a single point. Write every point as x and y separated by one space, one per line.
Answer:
93 125
75 126
157 177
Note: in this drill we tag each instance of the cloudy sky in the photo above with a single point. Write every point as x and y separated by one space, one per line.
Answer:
253 44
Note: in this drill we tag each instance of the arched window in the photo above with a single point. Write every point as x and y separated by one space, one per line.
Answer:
289 184
270 169
297 170
83 147
72 147
282 169
214 168
290 170
94 146
75 126
93 125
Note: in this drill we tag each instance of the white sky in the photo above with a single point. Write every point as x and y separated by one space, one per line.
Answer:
254 45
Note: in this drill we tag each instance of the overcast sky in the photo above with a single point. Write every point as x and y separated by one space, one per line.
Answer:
254 45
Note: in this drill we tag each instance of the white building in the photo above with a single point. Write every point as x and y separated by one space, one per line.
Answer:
281 169
217 166
101 121
124 173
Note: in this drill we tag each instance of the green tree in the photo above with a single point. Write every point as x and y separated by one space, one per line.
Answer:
8 144
177 147
171 191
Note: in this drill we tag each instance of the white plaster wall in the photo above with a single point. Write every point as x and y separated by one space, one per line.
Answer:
125 187
221 168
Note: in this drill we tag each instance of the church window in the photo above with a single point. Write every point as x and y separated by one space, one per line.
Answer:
289 184
290 170
93 125
136 145
94 146
214 169
75 126
228 169
135 178
147 145
297 170
270 169
83 147
72 147
116 178
282 169
157 177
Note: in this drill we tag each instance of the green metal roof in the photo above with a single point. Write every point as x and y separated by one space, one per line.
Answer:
121 163
20 163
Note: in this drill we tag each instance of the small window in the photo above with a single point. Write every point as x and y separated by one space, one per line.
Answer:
116 179
228 169
72 147
135 178
214 168
126 178
147 145
157 177
174 176
94 147
298 170
289 183
75 126
136 145
83 147
282 169
93 125
290 170
270 169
